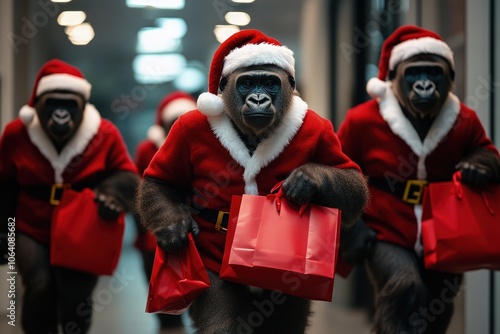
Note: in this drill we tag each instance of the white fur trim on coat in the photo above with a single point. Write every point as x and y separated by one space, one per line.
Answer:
75 146
412 47
267 150
65 82
259 54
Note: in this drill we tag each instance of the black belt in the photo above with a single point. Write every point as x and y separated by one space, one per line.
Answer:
219 218
52 193
410 191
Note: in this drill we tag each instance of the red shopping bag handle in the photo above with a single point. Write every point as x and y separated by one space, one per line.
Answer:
278 194
457 180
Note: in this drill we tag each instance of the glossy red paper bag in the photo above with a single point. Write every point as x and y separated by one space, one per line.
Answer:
176 280
460 227
274 245
81 239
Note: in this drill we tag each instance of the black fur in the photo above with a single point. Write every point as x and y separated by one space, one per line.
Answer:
115 194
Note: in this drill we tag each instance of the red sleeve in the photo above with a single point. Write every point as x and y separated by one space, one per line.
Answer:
7 144
329 142
118 157
477 136
172 162
144 154
351 144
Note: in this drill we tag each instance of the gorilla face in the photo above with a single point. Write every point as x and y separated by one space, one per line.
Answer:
422 84
257 97
60 115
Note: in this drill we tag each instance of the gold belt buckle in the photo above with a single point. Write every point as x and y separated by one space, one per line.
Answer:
218 223
413 191
54 189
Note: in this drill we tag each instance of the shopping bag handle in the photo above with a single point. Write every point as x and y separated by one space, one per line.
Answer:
278 194
457 180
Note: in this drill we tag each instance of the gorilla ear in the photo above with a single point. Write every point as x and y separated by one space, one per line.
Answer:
222 84
292 81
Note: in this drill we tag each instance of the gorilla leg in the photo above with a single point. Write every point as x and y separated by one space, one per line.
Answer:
399 289
217 309
75 302
39 308
443 288
229 308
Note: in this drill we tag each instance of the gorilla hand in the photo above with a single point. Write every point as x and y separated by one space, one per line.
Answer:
302 184
479 168
473 174
174 236
109 206
163 210
357 242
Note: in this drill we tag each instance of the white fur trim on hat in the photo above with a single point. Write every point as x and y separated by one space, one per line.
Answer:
210 104
174 109
376 87
412 47
259 54
26 114
64 81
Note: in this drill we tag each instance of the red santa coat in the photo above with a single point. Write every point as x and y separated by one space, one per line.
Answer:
382 141
205 156
27 155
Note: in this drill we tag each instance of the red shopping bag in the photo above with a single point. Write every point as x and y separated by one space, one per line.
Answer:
176 280
460 227
272 244
81 239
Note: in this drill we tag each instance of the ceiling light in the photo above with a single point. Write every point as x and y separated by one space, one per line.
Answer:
223 32
173 27
237 18
161 4
154 69
80 34
243 1
156 40
61 1
71 18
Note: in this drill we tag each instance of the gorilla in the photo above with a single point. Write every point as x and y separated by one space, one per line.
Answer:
418 132
58 142
251 131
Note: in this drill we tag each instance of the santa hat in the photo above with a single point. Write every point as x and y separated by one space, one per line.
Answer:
55 75
169 109
244 48
404 43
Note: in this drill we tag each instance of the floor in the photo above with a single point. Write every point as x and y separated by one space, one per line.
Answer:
120 303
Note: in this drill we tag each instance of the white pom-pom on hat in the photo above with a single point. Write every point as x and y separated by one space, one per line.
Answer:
210 104
376 87
26 114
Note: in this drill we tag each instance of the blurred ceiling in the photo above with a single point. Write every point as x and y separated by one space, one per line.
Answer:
107 60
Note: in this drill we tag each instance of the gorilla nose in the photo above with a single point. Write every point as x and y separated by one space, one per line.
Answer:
424 88
259 101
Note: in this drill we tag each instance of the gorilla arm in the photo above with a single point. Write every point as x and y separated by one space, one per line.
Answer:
345 189
115 194
163 210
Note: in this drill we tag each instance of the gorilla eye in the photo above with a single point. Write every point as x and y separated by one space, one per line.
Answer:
270 83
412 71
248 83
